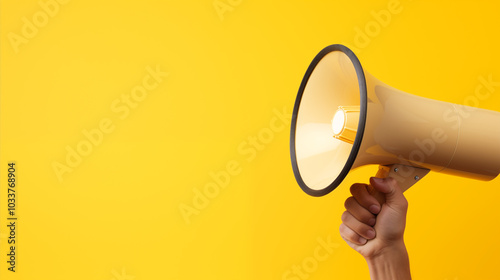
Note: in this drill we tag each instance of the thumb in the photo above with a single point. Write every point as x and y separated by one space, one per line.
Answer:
393 193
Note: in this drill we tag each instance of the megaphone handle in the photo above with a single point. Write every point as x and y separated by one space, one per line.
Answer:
406 176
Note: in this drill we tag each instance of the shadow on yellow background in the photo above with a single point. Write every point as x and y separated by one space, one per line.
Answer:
151 137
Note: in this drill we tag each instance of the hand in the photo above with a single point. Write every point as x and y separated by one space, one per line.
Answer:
376 230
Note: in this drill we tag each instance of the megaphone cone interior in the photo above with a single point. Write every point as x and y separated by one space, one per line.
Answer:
345 118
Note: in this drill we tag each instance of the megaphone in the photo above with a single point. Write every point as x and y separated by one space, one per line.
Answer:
344 118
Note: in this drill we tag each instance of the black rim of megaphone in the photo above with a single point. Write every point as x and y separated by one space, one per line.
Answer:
361 125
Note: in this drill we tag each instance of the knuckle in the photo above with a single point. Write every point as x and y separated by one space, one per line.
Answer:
391 181
354 237
347 233
344 216
363 216
364 200
348 202
354 188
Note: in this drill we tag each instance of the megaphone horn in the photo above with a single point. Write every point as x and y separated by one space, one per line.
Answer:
345 118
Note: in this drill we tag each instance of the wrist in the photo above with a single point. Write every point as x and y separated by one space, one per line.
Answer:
391 262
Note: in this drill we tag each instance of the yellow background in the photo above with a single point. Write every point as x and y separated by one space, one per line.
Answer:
117 215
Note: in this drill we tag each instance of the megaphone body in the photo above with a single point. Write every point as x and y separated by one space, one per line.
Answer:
345 118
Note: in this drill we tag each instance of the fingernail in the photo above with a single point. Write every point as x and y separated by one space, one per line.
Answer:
362 240
370 234
372 221
374 209
378 180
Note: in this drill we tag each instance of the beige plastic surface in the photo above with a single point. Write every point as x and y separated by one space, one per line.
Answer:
400 129
406 129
